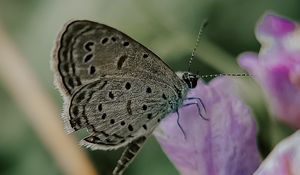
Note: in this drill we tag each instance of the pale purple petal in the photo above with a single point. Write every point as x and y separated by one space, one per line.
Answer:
275 26
274 33
284 159
277 67
249 61
223 145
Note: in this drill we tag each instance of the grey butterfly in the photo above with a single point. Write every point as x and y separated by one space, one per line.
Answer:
114 87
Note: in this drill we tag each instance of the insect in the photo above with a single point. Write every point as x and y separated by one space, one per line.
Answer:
114 87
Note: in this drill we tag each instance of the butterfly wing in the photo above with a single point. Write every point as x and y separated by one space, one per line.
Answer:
117 110
87 50
93 62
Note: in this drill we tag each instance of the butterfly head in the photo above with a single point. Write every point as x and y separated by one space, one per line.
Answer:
190 79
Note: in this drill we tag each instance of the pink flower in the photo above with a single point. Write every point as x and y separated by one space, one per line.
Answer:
225 144
277 66
284 159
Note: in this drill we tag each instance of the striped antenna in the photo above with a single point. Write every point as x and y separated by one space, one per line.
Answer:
203 25
226 75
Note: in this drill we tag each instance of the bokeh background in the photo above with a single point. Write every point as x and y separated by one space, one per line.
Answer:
32 143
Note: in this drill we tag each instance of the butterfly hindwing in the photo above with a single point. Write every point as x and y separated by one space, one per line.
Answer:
117 110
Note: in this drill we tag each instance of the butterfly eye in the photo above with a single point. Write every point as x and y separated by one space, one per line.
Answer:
190 79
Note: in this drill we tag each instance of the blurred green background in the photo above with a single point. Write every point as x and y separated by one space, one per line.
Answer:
168 28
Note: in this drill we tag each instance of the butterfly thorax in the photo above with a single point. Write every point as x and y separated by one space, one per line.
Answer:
175 104
189 81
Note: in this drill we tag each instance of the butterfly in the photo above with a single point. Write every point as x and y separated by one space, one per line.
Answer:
114 87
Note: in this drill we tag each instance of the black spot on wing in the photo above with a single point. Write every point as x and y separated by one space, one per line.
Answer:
121 61
128 107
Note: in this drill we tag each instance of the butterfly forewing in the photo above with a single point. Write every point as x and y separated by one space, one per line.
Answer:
87 50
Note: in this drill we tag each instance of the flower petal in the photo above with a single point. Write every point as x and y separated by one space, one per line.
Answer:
223 144
274 33
249 61
275 26
284 159
277 65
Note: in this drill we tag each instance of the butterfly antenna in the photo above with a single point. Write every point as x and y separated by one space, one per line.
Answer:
226 75
203 25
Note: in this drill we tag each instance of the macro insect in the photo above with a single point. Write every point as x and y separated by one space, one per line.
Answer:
114 87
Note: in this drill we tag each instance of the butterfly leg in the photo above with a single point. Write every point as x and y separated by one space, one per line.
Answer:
189 104
199 100
198 107
178 123
128 155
